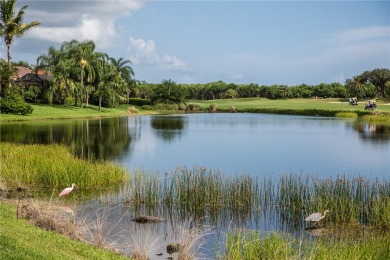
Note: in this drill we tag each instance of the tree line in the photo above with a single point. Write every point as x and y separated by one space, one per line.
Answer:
80 75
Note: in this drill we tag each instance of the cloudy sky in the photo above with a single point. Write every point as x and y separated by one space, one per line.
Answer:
263 42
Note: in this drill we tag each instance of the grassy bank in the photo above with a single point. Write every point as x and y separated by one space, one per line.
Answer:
313 107
64 112
54 166
20 240
321 107
244 244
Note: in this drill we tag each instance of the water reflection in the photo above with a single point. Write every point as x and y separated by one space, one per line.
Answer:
168 127
232 143
371 132
89 138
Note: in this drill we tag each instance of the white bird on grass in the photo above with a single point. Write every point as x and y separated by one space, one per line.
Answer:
67 190
315 217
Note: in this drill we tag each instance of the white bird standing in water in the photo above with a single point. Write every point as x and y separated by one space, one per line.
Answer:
67 190
315 217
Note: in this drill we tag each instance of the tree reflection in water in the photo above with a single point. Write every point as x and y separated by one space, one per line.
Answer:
168 127
371 132
97 139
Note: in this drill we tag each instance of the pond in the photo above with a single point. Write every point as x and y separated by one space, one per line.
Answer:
255 144
232 144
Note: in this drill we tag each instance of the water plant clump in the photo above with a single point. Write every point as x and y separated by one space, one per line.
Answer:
201 192
54 166
252 244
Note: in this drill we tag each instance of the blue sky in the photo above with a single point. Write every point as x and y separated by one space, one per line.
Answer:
263 42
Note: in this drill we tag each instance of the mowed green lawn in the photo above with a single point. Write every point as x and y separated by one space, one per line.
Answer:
241 104
63 112
20 240
324 104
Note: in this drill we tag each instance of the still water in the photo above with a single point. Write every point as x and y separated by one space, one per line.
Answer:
255 144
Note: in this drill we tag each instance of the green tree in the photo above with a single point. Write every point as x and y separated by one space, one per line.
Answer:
168 92
62 81
378 78
82 56
12 26
107 78
126 72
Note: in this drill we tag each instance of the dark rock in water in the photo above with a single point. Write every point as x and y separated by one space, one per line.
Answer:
173 248
148 219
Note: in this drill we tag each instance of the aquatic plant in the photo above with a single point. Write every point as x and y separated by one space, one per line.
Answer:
202 192
54 166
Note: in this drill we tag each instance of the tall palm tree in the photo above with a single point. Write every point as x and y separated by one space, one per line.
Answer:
62 80
82 54
49 61
12 26
126 72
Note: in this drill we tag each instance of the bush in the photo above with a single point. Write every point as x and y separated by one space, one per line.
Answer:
15 104
139 102
193 107
213 108
148 107
162 106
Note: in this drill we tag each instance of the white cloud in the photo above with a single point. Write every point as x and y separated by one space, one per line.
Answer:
66 20
361 34
143 52
368 45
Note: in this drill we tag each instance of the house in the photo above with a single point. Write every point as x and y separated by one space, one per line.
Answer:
26 78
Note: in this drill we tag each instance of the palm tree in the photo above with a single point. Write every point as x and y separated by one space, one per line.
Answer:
62 80
12 26
168 92
126 72
82 54
49 61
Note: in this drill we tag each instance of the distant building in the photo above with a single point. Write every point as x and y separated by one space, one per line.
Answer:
26 78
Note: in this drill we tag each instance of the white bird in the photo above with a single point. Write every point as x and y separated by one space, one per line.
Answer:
315 217
67 190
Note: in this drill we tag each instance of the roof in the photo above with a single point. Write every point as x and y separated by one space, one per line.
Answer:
22 71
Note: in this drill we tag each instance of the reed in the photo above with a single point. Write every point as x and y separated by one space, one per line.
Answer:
378 119
54 166
249 244
244 244
347 115
203 192
350 200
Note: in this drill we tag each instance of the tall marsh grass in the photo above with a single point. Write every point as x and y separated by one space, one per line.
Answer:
354 200
54 166
347 115
378 119
244 244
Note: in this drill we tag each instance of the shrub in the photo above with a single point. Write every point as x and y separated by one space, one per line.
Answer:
193 107
213 108
162 106
139 101
148 107
15 104
132 110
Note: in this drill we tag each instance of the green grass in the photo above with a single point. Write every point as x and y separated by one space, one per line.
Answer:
321 107
290 106
54 166
244 244
347 114
20 240
61 112
353 200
